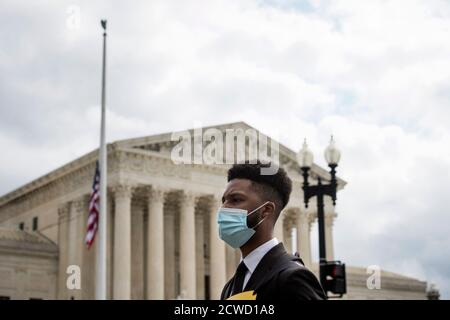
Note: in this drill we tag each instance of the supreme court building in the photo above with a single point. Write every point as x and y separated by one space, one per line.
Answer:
162 239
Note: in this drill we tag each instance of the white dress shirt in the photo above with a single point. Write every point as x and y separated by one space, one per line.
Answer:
252 260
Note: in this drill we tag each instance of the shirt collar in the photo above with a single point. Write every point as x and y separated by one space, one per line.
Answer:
254 257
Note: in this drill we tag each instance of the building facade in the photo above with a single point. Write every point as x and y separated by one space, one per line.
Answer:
162 239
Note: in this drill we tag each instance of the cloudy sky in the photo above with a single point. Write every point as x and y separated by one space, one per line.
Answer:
376 74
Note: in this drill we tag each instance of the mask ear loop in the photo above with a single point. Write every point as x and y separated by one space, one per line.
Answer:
255 211
259 223
258 208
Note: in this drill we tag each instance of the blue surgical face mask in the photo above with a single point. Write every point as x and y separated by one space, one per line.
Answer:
233 227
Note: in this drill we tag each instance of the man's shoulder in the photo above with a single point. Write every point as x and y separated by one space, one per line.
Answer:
285 265
295 269
297 281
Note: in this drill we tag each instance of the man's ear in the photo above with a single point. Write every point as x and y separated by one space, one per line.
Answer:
270 209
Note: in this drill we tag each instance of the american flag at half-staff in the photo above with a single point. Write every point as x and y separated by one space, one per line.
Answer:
94 204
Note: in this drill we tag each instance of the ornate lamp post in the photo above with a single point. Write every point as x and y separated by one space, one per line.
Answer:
334 269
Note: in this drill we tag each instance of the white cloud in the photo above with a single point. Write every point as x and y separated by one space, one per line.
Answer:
376 75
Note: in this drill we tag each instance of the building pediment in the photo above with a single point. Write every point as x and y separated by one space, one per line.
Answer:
162 145
20 241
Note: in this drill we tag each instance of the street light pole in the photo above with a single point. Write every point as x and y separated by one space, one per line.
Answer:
305 159
319 191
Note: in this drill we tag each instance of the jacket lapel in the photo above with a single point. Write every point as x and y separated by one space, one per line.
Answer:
272 262
227 290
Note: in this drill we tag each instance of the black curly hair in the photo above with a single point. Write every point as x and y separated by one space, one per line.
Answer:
276 187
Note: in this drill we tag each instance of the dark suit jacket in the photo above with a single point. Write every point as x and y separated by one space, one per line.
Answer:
278 276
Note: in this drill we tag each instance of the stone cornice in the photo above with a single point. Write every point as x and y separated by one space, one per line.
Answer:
164 158
79 173
120 156
28 249
33 243
50 177
58 183
287 156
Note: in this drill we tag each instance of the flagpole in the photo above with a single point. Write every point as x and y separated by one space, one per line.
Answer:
100 288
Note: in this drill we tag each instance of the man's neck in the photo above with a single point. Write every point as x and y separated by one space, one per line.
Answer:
252 245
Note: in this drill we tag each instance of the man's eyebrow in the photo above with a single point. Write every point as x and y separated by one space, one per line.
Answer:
232 193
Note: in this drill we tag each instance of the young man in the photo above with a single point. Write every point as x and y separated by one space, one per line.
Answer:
250 208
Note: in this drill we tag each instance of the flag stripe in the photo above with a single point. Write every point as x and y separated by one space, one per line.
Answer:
94 203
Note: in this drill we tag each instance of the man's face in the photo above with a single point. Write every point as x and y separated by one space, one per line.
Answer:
240 194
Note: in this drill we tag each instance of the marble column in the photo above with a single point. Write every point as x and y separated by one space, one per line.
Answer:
187 246
137 251
76 243
73 235
88 256
278 228
217 273
200 254
155 244
63 246
287 232
110 247
303 236
169 255
122 243
330 215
